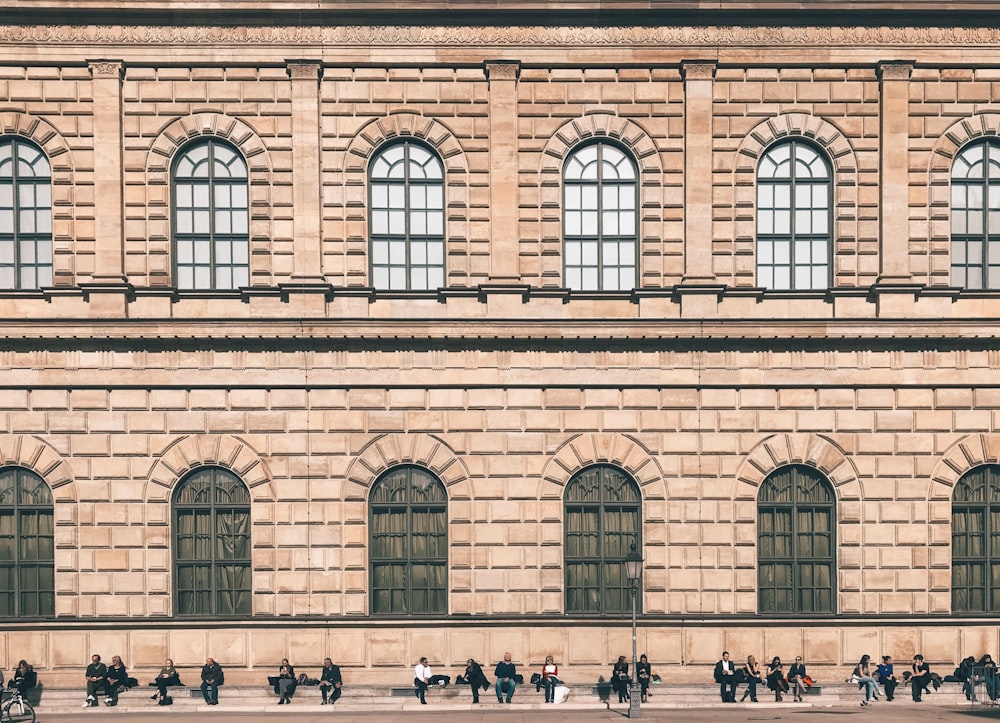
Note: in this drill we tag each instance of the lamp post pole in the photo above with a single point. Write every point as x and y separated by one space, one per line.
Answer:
633 571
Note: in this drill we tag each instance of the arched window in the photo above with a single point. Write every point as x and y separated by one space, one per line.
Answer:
975 216
212 544
409 543
603 519
27 549
794 218
975 541
796 542
211 217
25 216
600 219
406 218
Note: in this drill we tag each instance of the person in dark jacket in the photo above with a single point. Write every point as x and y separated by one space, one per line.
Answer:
24 678
725 676
796 679
116 676
96 676
920 677
211 678
284 685
330 682
644 671
964 674
476 678
988 675
887 677
165 678
620 680
505 673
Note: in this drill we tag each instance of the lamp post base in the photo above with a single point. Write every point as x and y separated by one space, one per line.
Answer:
634 696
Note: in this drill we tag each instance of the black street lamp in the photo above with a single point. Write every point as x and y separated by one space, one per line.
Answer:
633 572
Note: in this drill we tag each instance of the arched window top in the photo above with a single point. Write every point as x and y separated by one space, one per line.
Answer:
980 485
793 160
210 159
406 161
408 484
978 161
796 484
599 162
22 487
600 484
211 486
20 158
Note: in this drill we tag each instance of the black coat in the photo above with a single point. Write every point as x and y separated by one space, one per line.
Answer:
475 676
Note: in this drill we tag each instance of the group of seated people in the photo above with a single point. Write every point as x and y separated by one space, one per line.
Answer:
729 677
971 673
109 680
330 682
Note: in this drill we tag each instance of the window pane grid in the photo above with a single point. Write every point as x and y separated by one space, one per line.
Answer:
409 543
406 219
794 218
975 216
27 545
212 544
975 541
600 220
602 521
211 218
25 216
796 544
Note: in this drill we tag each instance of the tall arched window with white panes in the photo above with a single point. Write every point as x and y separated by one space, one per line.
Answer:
600 219
406 218
794 218
975 216
25 216
211 217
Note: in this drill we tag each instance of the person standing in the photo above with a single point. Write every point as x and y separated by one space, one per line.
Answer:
96 676
550 680
330 682
421 679
725 676
116 680
211 678
644 671
475 677
796 677
505 673
920 678
887 677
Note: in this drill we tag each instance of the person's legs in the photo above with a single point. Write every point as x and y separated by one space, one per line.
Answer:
499 690
474 687
204 692
511 685
421 691
324 690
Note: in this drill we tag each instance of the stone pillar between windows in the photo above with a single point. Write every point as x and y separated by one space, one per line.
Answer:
308 290
895 289
108 290
504 260
698 285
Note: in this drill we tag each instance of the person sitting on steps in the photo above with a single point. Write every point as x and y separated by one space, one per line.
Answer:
96 677
751 674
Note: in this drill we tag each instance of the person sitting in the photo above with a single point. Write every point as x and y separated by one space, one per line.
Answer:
920 677
987 674
620 680
965 675
725 676
284 682
96 676
330 682
776 678
863 672
751 674
644 671
166 677
116 676
887 677
505 672
212 677
24 678
549 679
796 678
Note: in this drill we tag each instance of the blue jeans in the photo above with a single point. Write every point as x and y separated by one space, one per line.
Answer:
550 684
511 685
210 691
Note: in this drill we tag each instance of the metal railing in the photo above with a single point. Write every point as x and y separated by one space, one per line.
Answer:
983 685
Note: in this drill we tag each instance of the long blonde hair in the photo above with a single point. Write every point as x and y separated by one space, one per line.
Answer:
751 661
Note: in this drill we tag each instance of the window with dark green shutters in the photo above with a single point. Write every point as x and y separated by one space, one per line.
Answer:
212 544
27 545
796 542
603 520
409 543
975 541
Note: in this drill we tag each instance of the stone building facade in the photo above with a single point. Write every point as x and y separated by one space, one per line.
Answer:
309 383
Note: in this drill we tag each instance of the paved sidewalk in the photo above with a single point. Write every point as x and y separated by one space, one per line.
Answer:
881 713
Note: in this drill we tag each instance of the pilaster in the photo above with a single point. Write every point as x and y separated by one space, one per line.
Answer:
502 77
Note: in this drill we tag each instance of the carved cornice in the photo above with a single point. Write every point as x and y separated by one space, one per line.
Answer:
501 36
697 70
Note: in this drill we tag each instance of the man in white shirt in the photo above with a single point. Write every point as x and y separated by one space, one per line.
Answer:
725 676
421 676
